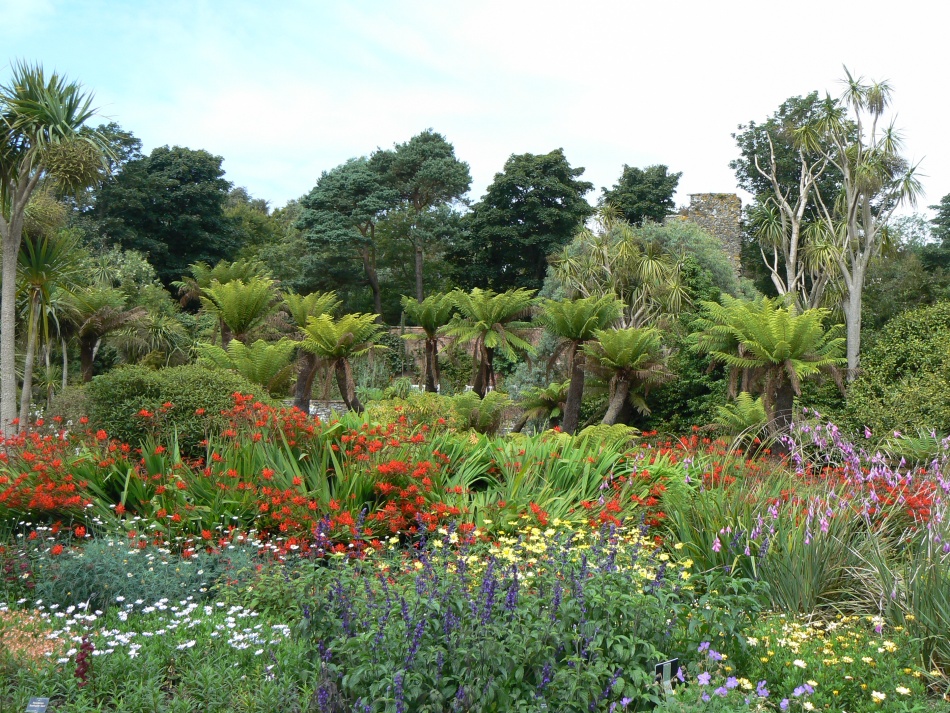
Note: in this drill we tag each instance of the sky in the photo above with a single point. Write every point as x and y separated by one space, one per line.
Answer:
287 89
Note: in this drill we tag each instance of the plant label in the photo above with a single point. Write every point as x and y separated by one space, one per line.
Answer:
37 705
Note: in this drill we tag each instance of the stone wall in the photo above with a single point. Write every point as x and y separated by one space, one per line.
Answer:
719 215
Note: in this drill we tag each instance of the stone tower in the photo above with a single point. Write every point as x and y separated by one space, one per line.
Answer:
719 215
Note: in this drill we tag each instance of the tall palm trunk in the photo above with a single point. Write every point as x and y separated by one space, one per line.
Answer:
11 247
575 391
618 398
306 373
420 262
783 404
344 380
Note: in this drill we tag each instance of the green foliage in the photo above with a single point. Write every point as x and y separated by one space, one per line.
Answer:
904 375
615 259
643 194
744 415
117 398
531 209
104 569
267 364
170 206
775 347
483 415
240 306
512 646
333 339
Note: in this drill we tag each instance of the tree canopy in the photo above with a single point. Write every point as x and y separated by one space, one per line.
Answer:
531 210
643 194
170 206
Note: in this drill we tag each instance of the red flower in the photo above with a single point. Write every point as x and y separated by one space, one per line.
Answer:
57 550
80 531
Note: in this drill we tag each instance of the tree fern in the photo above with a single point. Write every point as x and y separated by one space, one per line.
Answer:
266 363
491 322
239 306
431 315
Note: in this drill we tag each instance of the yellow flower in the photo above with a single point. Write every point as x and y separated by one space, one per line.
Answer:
764 659
867 659
903 691
909 617
813 684
847 659
889 646
808 706
878 697
678 546
799 663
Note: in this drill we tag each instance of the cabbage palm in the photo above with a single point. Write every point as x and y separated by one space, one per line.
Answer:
240 306
300 309
48 264
634 360
41 139
431 315
613 260
774 346
97 312
266 363
491 322
574 323
339 340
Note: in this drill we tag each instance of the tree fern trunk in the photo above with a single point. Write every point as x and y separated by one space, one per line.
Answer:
344 380
87 356
303 388
575 393
432 366
617 400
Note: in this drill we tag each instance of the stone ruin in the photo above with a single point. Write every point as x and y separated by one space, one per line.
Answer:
719 215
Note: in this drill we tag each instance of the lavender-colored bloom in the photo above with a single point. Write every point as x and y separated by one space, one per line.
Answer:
732 682
705 697
703 647
704 678
722 691
398 693
715 655
761 690
784 704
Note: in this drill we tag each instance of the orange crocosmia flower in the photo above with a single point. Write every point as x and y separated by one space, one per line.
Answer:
57 550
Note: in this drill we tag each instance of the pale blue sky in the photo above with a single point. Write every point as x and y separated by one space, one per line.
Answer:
285 90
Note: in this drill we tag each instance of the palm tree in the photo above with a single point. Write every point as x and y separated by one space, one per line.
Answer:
266 363
96 313
47 265
773 346
544 402
339 340
431 315
574 323
239 306
613 260
300 309
155 337
634 360
41 139
491 322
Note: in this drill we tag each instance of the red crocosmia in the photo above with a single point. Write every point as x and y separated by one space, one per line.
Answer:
57 550
119 509
267 473
80 531
199 412
206 534
176 517
181 485
101 435
161 514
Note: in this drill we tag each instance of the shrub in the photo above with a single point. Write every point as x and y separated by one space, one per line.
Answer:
904 379
104 569
120 400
